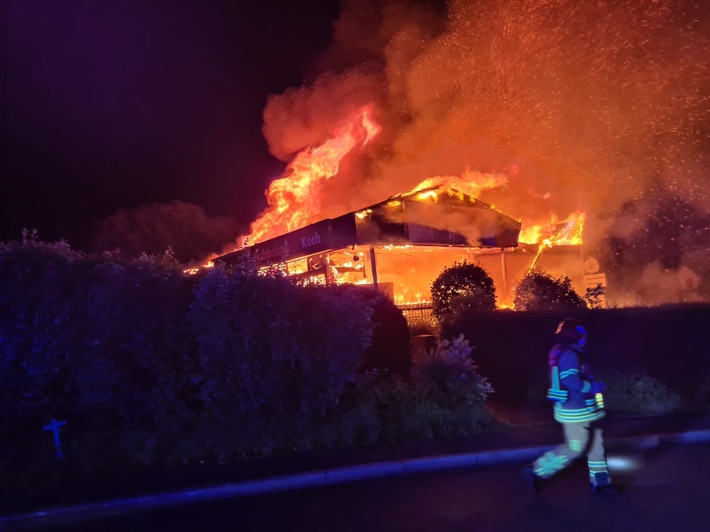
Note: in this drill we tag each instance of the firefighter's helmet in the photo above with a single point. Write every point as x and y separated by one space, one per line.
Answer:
571 329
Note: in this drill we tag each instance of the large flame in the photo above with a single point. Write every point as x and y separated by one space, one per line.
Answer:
470 183
555 231
294 199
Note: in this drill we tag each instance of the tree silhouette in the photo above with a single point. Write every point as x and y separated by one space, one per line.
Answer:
152 229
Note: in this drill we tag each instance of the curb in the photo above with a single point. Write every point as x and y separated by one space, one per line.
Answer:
327 477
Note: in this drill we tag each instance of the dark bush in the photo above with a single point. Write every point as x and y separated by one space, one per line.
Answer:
668 344
389 349
173 368
638 394
538 290
94 341
462 287
445 397
270 353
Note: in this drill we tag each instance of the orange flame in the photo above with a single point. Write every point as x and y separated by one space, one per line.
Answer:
554 231
293 199
470 183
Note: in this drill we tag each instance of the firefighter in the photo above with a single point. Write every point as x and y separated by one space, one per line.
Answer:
578 407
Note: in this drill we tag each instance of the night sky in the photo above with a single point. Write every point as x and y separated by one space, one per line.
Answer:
114 104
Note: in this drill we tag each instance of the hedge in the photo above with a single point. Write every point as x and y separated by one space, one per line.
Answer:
670 344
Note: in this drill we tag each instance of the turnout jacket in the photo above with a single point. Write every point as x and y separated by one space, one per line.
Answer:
577 396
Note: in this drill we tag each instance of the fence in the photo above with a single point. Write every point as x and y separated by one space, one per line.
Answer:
419 315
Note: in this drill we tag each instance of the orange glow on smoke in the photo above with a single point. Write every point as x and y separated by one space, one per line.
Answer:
294 199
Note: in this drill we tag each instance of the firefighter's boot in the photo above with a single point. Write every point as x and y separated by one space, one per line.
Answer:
601 484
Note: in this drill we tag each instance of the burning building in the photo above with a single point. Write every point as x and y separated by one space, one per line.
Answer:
409 91
398 246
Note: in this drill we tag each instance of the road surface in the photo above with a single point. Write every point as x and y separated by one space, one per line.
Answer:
664 489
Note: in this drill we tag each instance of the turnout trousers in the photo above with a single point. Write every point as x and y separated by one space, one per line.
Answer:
580 439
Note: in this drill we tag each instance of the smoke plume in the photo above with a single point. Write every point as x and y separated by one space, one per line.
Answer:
585 106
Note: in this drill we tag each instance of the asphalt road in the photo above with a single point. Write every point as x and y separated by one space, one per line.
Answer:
664 489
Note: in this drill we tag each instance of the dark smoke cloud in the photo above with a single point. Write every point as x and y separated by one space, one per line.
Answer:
659 246
582 104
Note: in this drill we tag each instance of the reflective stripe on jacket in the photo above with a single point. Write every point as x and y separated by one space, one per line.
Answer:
575 402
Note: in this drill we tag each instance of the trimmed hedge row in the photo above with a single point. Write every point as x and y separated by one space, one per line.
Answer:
152 368
143 354
670 344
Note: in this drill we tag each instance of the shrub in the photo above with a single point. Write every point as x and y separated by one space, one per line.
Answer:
267 348
638 394
540 291
97 342
389 346
449 379
629 394
462 287
399 408
449 369
175 369
389 349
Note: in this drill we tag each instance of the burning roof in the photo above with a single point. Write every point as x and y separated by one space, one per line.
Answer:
438 216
